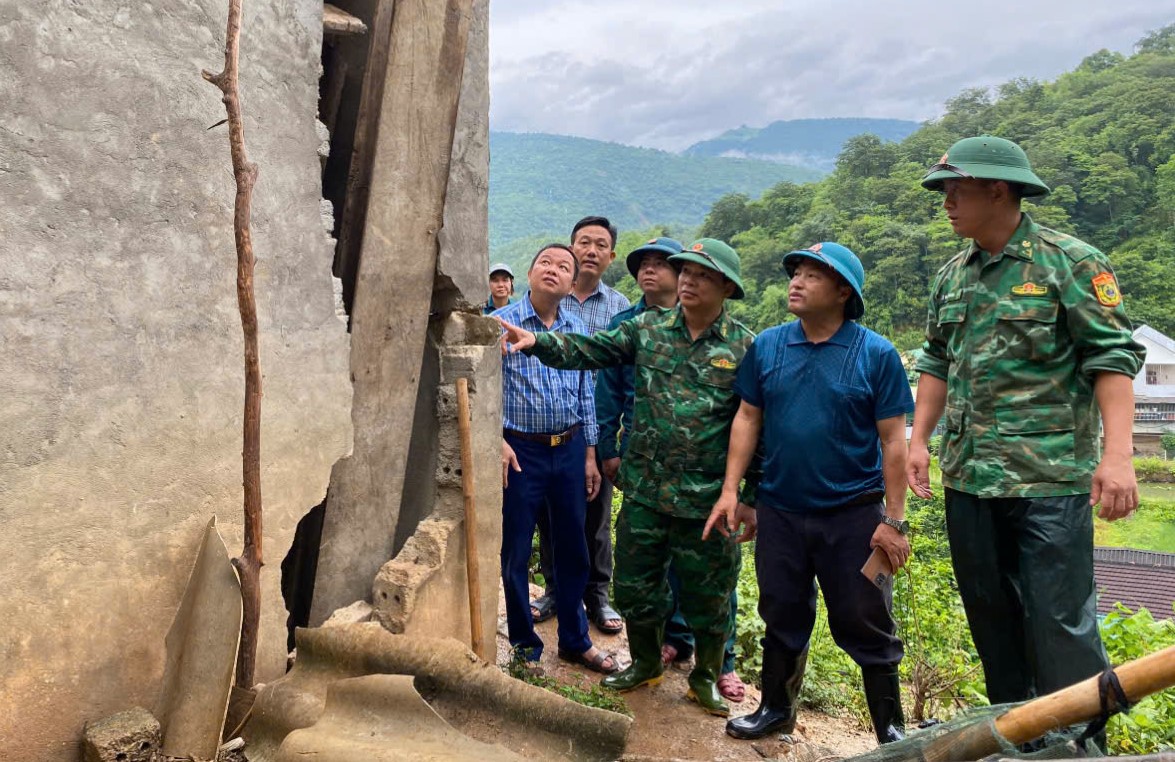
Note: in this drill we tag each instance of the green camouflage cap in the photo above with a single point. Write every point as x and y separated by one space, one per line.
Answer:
715 255
986 158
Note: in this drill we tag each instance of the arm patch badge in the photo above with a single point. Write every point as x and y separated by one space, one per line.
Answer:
1105 288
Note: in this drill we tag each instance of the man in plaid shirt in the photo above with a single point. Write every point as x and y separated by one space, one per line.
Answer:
549 437
593 241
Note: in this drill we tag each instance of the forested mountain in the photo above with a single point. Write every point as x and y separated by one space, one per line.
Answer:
541 184
1102 136
813 143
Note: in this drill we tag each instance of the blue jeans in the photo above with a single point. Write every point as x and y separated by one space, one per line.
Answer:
551 476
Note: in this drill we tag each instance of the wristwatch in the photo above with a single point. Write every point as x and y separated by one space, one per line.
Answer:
901 525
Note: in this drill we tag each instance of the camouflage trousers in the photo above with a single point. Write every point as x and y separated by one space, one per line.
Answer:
646 542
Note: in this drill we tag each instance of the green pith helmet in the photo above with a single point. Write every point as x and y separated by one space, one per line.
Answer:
714 255
663 246
843 261
987 158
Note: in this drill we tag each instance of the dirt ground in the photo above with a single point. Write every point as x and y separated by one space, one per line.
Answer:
668 726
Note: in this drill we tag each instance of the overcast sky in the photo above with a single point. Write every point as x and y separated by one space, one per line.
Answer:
667 73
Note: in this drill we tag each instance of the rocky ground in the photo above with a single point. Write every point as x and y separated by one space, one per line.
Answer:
667 726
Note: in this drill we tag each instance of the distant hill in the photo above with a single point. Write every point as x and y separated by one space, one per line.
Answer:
812 143
541 184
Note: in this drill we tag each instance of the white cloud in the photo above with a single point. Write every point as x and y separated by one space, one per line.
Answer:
667 73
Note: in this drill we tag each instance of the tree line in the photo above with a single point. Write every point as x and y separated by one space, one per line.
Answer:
1102 136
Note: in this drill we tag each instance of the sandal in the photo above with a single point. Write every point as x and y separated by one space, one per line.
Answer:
542 608
732 688
594 663
605 614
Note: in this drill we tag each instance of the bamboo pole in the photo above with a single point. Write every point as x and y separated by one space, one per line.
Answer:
249 563
464 428
1080 702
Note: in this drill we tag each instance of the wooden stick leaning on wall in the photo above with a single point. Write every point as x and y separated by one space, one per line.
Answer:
249 563
464 428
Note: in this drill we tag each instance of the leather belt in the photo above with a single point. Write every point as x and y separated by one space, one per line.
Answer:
551 440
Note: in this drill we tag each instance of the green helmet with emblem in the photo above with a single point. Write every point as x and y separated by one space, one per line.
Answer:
987 158
714 255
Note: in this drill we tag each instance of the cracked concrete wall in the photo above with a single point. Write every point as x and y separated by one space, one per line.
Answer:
424 589
120 421
382 493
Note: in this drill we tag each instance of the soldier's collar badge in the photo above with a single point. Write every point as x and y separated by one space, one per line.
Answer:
1105 288
1029 289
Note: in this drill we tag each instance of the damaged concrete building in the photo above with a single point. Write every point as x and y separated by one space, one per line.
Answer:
121 390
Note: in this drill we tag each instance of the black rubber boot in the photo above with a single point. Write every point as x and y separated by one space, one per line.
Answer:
782 678
709 651
883 694
644 645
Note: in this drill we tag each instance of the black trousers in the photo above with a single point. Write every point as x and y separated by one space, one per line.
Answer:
792 551
597 527
1025 573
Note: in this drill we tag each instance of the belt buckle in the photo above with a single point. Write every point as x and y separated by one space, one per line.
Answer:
557 439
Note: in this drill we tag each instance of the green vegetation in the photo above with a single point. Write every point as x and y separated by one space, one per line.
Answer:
541 184
587 691
1154 469
1158 492
940 672
1150 726
1102 136
1151 527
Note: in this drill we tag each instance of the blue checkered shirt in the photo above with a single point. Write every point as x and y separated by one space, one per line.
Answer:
537 399
597 310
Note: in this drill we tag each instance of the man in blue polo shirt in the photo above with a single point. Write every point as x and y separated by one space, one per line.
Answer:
830 399
549 436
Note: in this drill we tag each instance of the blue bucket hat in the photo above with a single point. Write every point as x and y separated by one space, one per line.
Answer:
840 259
664 246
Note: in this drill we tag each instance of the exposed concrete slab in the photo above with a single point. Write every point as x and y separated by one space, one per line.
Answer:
381 718
130 736
473 696
120 430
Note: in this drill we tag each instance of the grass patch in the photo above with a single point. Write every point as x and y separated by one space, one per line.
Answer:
1151 527
1159 492
592 694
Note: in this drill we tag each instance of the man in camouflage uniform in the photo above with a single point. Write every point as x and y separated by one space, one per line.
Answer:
615 392
1026 332
672 471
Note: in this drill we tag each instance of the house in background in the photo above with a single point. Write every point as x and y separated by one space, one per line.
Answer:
1154 391
1136 579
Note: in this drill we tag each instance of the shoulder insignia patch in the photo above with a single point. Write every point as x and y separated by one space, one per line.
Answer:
1105 288
723 364
1029 289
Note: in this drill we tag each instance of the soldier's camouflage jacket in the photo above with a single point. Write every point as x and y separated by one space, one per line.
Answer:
683 409
1018 337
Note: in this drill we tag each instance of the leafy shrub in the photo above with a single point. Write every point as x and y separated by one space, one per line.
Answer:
1153 468
1149 726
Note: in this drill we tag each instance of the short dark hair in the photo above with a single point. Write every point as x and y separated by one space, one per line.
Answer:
602 222
553 245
